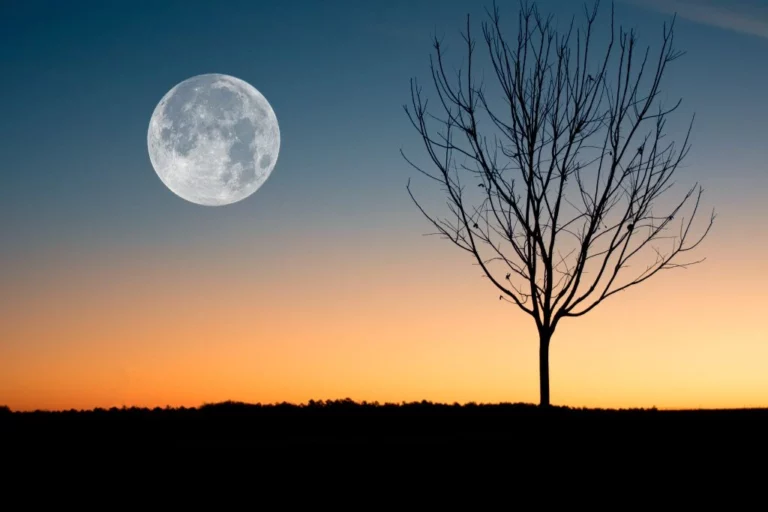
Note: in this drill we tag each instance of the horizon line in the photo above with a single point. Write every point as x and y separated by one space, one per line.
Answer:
375 403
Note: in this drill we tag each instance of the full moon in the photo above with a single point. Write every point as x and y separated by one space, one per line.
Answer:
213 139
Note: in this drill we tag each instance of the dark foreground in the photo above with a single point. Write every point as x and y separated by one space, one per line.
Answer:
343 452
345 421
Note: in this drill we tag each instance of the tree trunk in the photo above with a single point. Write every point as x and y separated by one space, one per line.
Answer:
544 338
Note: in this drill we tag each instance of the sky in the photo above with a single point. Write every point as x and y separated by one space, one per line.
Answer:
322 284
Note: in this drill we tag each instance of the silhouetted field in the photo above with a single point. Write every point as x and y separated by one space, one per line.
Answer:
345 421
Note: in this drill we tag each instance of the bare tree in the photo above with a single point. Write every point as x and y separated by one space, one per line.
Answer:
554 185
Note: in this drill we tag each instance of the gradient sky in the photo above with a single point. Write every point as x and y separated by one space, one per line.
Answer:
321 285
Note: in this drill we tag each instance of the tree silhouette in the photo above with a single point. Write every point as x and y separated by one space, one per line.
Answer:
555 184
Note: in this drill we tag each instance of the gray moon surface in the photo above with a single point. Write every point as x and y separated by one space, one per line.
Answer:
213 139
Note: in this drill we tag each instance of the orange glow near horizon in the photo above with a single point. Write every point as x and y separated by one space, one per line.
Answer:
321 285
130 329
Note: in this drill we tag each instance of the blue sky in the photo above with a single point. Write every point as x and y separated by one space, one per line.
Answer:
81 79
111 283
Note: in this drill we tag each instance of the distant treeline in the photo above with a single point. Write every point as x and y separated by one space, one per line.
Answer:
347 421
347 404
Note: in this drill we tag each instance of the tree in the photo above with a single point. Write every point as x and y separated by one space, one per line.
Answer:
554 185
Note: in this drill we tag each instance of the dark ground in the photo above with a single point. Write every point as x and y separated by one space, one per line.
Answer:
342 450
345 421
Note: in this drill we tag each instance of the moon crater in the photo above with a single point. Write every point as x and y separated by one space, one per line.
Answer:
213 139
